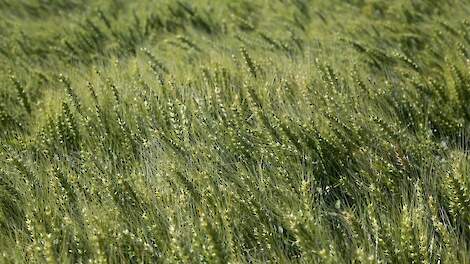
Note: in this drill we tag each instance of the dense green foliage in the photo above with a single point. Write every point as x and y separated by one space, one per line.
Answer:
198 131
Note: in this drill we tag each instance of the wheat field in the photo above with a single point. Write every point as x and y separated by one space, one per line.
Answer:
234 131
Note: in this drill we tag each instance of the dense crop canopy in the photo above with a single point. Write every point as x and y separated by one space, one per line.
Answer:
234 131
